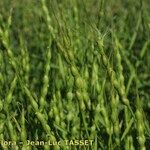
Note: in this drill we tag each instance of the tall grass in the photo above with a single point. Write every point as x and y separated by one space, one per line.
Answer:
75 70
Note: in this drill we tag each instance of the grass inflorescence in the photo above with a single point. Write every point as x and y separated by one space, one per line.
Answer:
74 70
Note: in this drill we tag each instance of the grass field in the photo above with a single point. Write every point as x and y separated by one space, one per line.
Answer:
74 74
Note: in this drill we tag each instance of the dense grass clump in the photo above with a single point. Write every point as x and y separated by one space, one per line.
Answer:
74 70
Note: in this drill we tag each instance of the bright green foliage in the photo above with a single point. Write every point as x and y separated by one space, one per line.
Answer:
75 69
